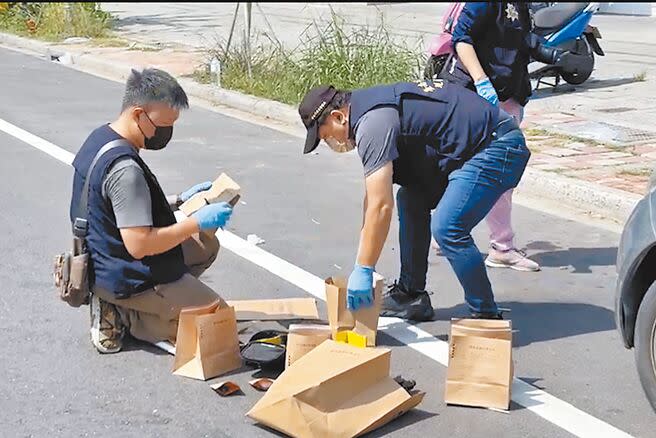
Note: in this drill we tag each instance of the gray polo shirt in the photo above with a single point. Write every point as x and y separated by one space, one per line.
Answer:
376 136
125 187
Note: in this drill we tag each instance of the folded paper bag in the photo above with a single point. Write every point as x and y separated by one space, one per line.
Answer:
363 321
334 391
303 338
207 342
480 370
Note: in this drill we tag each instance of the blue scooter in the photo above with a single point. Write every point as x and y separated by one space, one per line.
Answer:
566 26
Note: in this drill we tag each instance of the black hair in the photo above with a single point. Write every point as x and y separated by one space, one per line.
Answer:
341 99
153 85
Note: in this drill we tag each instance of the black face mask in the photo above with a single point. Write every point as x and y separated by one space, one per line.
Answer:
160 138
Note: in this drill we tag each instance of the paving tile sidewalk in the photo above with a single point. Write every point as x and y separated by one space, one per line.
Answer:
626 167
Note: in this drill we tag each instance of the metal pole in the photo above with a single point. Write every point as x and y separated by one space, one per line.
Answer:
247 36
232 27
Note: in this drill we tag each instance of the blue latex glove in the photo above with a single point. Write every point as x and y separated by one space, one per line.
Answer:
359 292
486 90
184 196
213 216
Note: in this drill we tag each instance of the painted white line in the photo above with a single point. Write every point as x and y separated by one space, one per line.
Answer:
166 346
552 409
43 145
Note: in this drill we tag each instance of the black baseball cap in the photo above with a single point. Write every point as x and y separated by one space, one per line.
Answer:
314 103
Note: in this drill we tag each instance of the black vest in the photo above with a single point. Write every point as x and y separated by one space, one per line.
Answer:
503 51
112 267
442 126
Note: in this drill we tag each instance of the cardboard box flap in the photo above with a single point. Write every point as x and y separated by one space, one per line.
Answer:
223 189
276 309
223 186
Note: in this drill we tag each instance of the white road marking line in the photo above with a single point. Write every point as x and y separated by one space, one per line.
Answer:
552 409
43 145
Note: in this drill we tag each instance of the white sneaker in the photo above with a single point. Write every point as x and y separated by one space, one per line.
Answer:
514 259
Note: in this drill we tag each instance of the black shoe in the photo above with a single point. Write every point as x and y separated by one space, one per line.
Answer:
487 315
412 305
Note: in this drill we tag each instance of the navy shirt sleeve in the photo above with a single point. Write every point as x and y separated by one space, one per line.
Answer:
471 21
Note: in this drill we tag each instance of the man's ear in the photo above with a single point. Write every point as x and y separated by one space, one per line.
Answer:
339 116
134 112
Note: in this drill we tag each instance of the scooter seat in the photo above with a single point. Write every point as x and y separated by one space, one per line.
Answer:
555 16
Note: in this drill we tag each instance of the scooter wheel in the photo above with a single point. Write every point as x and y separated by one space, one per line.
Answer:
582 75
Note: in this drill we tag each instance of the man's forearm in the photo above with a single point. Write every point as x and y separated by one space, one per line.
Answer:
374 233
159 240
470 60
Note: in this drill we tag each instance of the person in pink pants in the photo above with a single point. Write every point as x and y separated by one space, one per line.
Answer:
503 252
492 53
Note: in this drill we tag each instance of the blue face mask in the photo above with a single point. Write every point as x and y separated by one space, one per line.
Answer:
160 138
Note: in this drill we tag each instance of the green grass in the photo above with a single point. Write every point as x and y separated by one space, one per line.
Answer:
328 54
55 21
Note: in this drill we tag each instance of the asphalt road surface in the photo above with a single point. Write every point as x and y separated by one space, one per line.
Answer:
308 209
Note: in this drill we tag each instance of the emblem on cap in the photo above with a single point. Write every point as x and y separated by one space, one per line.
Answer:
318 111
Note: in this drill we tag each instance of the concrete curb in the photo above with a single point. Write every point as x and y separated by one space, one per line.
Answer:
269 109
581 195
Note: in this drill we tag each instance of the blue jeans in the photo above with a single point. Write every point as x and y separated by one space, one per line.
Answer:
470 194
